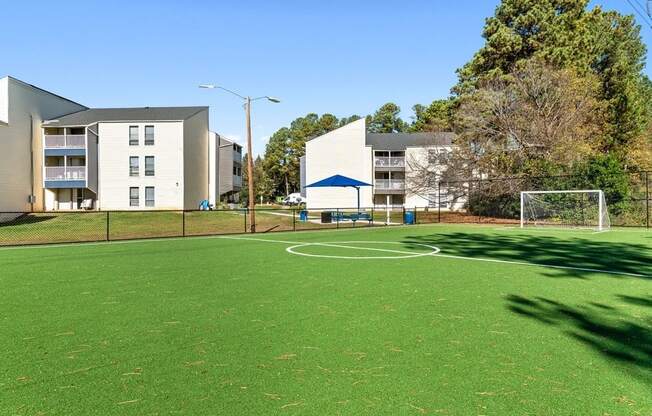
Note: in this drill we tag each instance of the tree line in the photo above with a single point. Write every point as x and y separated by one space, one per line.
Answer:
557 88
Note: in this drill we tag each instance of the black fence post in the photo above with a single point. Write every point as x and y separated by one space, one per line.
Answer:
183 223
246 214
108 236
403 214
439 201
373 220
415 216
294 219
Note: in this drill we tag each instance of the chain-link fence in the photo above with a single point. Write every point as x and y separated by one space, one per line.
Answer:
495 201
20 228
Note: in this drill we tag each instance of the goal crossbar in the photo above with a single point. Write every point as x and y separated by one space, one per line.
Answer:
547 213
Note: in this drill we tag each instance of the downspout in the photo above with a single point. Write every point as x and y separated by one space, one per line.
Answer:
218 195
31 171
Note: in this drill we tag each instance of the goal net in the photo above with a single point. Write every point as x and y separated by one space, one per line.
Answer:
578 209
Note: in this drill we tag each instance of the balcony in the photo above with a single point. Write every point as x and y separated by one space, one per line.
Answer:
389 162
60 141
237 181
390 184
65 173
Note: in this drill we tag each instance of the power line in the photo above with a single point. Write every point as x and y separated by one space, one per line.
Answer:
641 13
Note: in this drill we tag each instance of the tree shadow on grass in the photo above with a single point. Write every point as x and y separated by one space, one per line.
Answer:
610 332
27 219
617 257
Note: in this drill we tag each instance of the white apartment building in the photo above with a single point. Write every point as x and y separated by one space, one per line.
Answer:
23 108
127 159
394 163
226 168
56 154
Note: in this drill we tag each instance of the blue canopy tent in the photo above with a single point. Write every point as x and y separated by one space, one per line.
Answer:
339 181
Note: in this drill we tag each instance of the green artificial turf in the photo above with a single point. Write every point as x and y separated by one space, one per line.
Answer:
229 326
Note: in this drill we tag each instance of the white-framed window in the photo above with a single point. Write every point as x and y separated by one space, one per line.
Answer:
435 201
149 135
149 166
133 135
437 156
134 197
133 166
149 196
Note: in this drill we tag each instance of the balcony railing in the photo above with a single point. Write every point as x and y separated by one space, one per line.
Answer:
237 181
389 162
390 184
59 141
61 173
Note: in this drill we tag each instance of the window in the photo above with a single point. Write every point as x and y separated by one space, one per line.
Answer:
434 201
149 165
133 166
149 196
437 157
134 200
149 135
133 135
235 171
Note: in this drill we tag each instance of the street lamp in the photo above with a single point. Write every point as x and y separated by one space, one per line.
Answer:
250 160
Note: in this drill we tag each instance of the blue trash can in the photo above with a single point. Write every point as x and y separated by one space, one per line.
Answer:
409 217
303 215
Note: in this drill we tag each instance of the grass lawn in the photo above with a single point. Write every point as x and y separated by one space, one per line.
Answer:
370 321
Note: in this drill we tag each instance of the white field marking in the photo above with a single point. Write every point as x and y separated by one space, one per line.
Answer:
408 254
450 256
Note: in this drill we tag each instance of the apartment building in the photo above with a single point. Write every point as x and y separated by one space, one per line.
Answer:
23 108
56 154
394 163
127 159
226 165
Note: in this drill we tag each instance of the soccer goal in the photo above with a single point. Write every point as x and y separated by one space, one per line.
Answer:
576 209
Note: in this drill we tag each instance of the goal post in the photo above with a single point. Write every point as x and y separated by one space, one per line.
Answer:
573 209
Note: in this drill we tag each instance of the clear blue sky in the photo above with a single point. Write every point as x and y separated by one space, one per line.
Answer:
343 57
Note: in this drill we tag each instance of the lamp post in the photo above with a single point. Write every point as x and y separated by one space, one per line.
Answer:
250 160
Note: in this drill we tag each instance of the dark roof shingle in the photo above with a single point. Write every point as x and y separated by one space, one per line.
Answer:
400 141
94 115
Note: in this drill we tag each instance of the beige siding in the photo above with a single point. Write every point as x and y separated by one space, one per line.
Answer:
113 160
21 142
195 159
344 152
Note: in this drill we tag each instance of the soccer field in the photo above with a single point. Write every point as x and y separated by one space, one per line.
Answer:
435 320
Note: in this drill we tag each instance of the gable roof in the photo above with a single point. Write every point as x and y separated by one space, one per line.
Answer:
94 115
27 84
400 141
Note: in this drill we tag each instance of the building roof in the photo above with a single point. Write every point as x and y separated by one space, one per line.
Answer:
94 115
44 90
401 141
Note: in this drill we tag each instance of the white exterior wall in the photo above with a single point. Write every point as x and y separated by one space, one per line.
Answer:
415 159
4 101
21 141
113 155
344 152
213 168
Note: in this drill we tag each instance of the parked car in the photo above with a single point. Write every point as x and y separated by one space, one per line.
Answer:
294 199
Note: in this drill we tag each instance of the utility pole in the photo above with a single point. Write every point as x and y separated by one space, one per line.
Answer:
251 204
250 170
